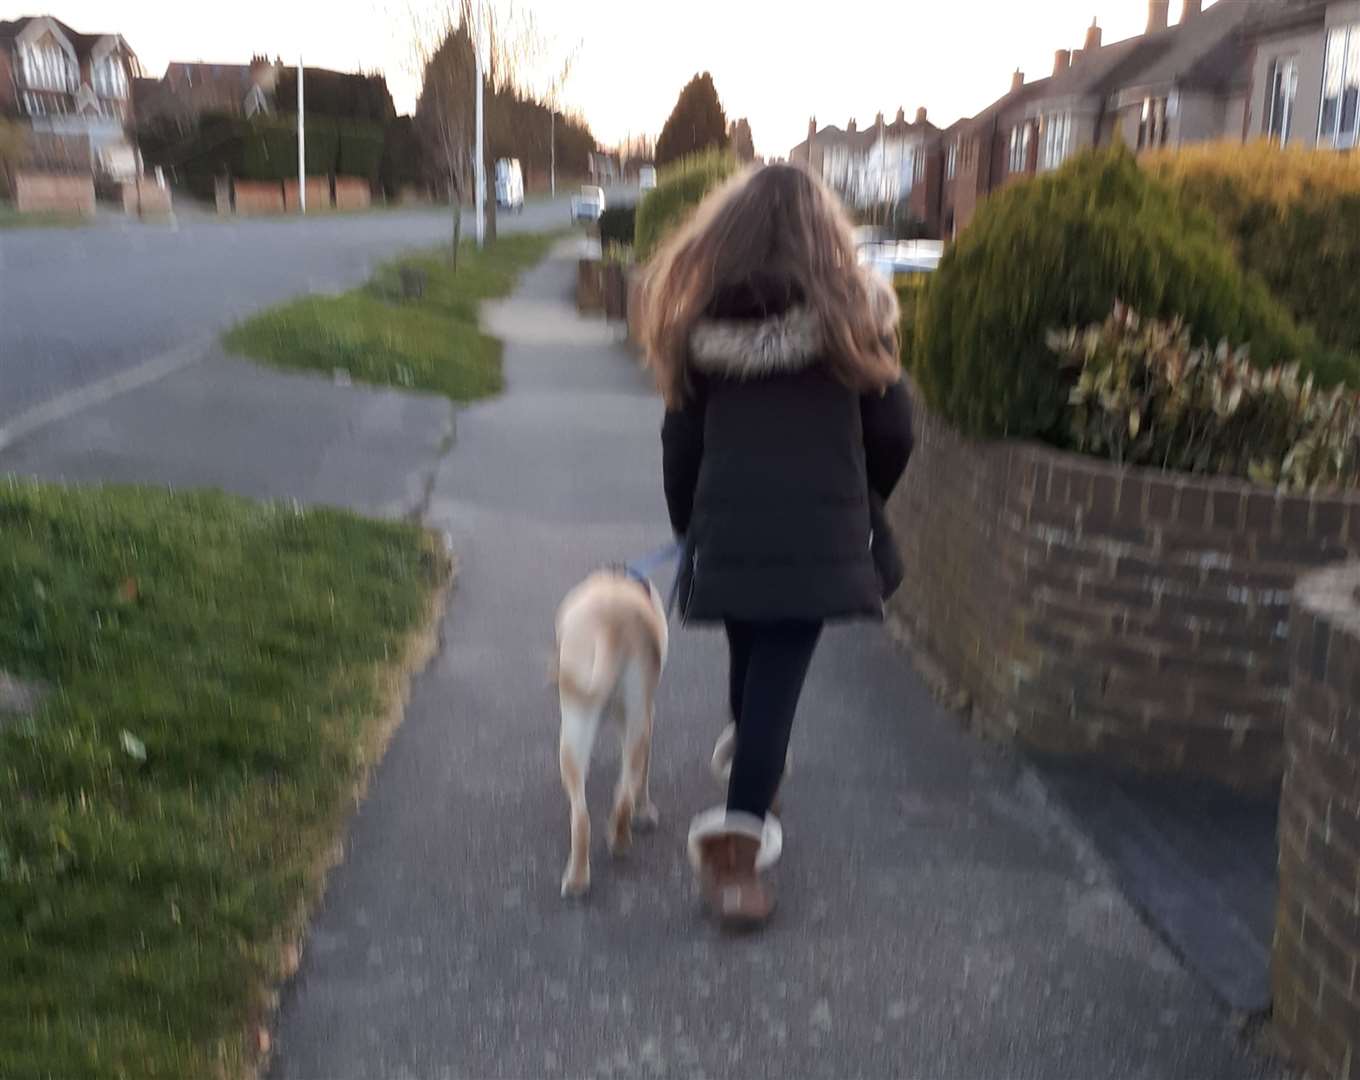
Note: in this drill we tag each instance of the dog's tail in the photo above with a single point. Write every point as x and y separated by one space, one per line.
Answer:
588 668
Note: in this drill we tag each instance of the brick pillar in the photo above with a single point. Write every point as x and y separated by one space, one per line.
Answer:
1315 968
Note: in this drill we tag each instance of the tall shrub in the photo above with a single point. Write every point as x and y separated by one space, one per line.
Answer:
1058 251
697 123
679 190
1293 217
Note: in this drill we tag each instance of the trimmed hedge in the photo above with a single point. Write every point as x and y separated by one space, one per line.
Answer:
680 188
1058 251
618 226
265 148
1293 217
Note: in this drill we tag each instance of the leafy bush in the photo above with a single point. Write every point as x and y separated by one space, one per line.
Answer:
1144 395
618 225
680 188
360 150
1293 217
911 292
1058 251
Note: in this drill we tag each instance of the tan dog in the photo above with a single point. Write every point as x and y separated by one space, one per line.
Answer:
611 647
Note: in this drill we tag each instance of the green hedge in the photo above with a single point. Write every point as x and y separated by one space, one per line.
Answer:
265 148
618 225
1293 217
680 188
1058 251
360 151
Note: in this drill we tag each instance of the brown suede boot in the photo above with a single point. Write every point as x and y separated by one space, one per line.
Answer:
733 889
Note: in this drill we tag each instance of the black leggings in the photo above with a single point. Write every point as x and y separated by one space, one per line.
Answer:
769 662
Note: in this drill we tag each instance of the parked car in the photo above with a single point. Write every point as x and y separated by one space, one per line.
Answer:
895 258
509 185
589 205
646 177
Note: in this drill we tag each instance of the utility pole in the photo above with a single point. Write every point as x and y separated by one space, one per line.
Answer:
479 164
552 149
302 147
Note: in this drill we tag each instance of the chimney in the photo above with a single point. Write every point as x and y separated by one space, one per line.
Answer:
878 120
901 115
1062 60
921 115
1191 10
1017 80
812 128
851 127
1159 11
1093 36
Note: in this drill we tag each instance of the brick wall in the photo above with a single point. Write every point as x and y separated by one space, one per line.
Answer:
1316 962
351 193
146 199
318 194
258 196
37 193
1130 615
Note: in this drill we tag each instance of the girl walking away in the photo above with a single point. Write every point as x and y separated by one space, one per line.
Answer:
787 427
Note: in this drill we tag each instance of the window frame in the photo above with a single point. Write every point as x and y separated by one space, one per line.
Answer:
1279 126
1022 137
1347 79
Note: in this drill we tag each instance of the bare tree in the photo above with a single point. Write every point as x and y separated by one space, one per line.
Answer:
514 56
445 116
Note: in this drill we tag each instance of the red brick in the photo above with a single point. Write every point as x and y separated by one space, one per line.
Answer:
1261 513
1161 500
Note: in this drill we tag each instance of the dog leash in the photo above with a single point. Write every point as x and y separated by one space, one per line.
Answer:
642 569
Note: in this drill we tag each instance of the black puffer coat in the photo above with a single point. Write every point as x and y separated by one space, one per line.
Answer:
776 473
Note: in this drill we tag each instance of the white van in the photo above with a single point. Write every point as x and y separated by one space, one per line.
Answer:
509 184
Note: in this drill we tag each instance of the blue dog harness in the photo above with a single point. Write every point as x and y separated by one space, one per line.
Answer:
641 570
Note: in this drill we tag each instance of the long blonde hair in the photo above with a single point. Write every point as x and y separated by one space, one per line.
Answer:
780 220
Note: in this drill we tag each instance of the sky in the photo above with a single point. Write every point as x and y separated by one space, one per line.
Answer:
774 62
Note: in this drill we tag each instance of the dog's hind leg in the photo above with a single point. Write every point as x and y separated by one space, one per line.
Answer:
632 802
579 723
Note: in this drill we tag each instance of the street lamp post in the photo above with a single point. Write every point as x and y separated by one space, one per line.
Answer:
302 147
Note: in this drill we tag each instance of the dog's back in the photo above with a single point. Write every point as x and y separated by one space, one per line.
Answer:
605 624
612 640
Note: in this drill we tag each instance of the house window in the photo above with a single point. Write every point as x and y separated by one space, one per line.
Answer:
110 80
48 69
951 161
1021 136
1055 140
1282 87
1152 124
1341 89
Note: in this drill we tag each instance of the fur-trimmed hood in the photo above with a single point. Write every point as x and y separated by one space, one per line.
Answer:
780 344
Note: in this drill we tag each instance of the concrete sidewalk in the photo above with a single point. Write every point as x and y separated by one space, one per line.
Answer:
934 921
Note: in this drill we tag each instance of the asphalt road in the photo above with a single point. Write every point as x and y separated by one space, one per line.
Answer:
80 305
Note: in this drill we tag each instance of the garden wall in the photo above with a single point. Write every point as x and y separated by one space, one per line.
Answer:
1316 962
54 193
1131 615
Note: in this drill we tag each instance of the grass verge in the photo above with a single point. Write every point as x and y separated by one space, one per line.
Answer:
376 336
221 674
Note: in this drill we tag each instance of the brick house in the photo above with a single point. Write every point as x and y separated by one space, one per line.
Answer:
976 154
187 90
887 163
1305 74
74 91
